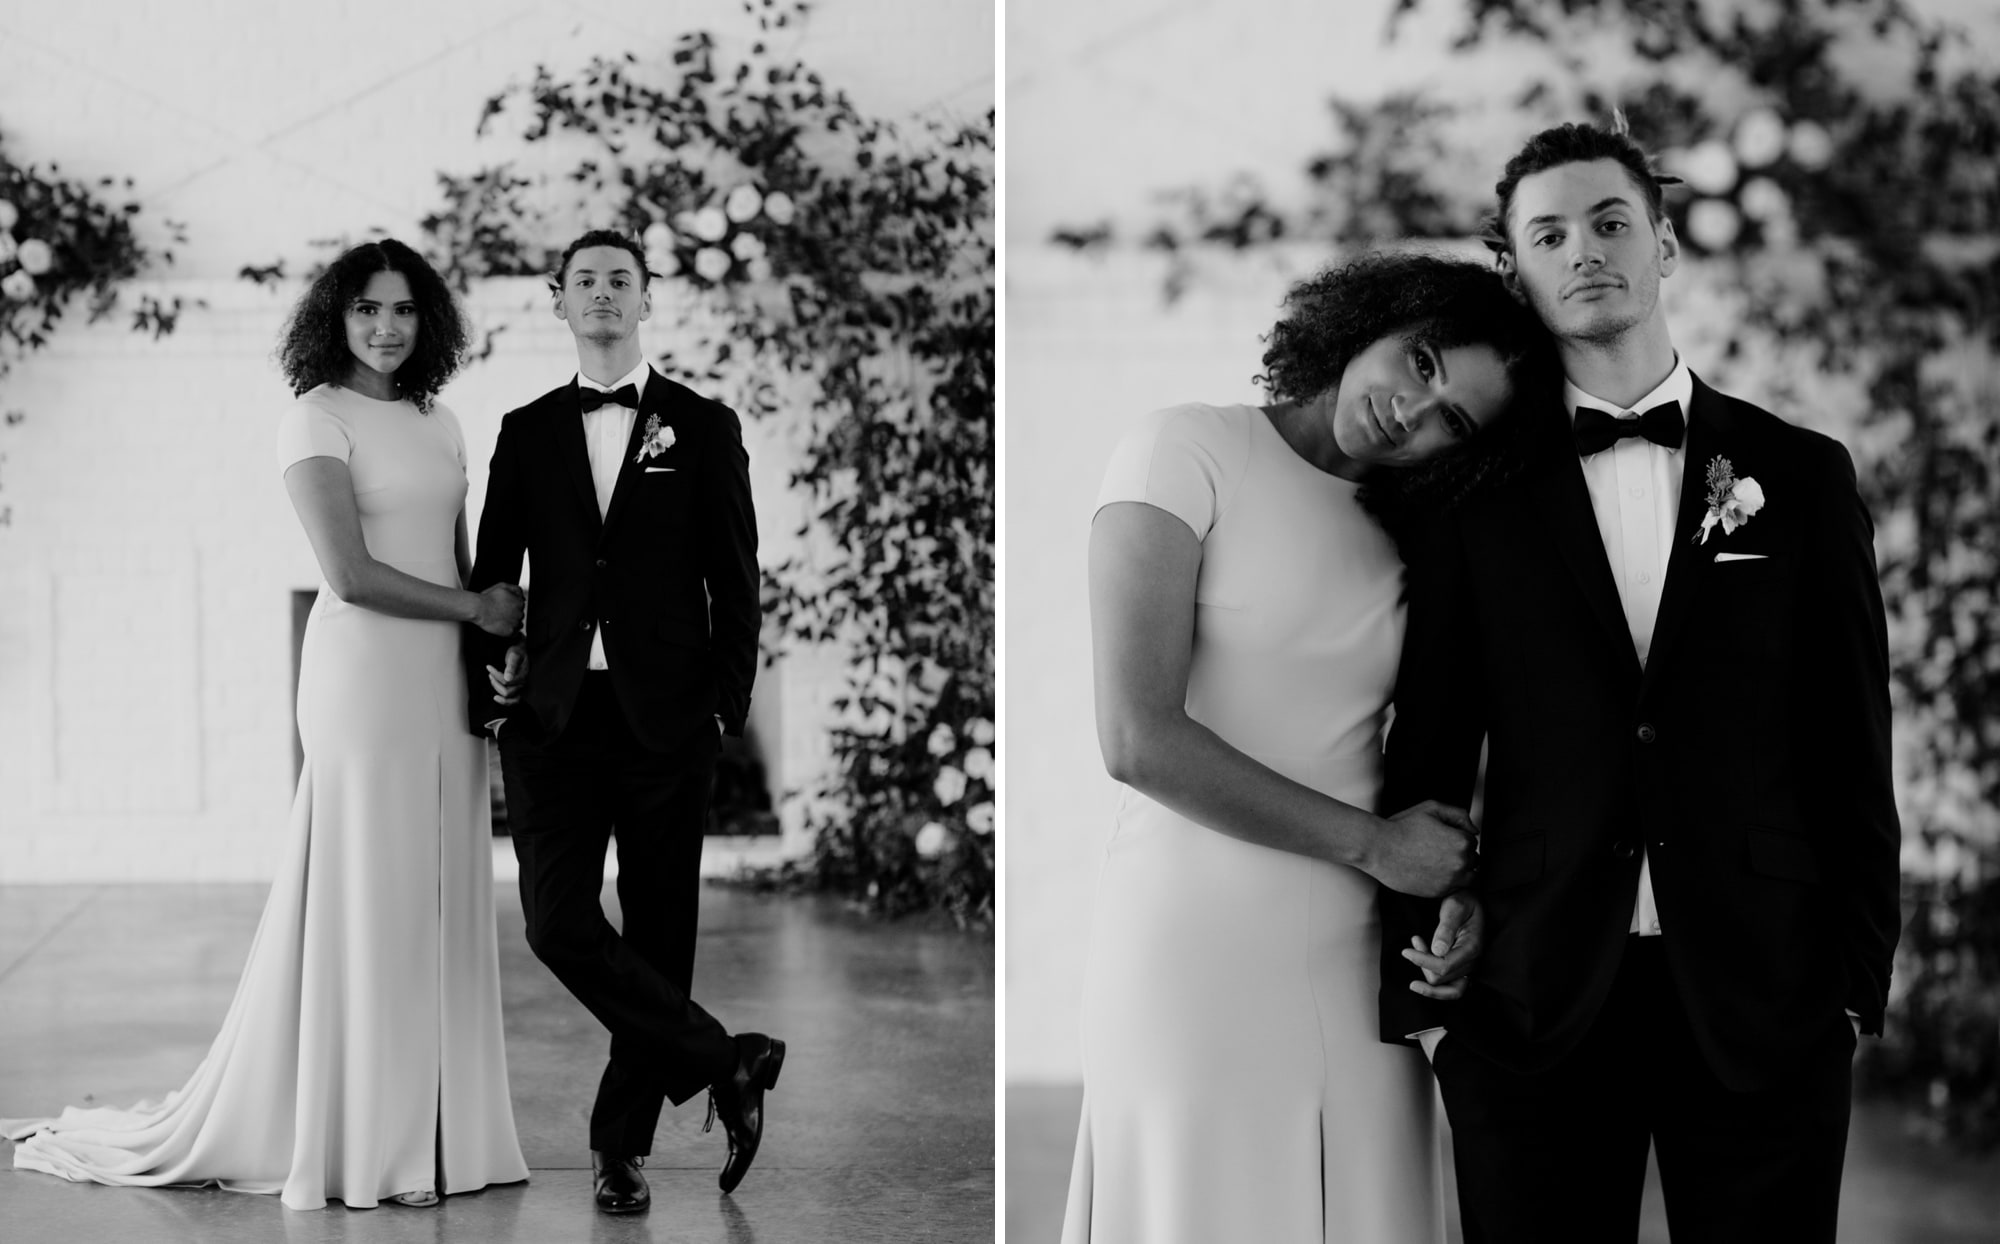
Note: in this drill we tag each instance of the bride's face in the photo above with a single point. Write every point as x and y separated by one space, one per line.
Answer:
1403 401
382 323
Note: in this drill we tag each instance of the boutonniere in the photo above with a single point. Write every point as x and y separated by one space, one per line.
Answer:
657 439
1731 501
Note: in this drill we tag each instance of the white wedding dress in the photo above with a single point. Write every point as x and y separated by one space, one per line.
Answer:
1234 1085
362 1055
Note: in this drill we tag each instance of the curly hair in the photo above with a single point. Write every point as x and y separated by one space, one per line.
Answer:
1333 316
313 350
1575 144
600 237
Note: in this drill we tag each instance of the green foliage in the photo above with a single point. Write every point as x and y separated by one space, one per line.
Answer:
834 270
1845 231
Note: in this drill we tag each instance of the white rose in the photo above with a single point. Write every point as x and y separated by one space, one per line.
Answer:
746 246
659 237
35 256
742 203
8 215
1760 138
711 263
942 741
1709 168
7 247
980 818
778 206
710 225
930 840
981 731
1713 224
1748 495
950 785
19 286
1811 146
979 764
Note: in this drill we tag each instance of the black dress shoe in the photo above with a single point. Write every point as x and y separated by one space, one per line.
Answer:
739 1101
620 1188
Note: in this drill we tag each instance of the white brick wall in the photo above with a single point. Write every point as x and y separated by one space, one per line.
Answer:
146 580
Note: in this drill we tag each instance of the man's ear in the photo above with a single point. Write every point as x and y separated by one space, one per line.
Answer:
646 301
1510 276
556 304
1670 247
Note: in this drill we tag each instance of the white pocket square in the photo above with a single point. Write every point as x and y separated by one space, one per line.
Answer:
657 470
1742 557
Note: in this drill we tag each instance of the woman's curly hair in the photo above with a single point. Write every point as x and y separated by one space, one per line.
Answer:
314 349
1333 316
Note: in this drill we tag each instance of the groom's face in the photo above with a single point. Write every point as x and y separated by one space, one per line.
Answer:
1585 252
603 296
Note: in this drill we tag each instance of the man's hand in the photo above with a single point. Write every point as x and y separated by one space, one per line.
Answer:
508 682
1455 945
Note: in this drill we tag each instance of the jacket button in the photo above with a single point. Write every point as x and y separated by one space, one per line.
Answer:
1646 733
583 625
1622 849
601 563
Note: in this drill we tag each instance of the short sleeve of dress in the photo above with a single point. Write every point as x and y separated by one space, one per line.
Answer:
310 429
445 416
1185 459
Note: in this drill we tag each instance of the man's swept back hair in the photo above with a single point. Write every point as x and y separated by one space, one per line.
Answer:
1575 144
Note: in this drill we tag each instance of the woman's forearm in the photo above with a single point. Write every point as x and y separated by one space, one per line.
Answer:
383 588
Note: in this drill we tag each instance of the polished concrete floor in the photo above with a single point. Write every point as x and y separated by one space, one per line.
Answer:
1894 1190
880 1130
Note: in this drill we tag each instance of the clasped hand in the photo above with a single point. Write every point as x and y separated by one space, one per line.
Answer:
500 609
507 683
1459 939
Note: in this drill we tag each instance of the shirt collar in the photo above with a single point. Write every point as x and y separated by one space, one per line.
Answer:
636 378
1677 387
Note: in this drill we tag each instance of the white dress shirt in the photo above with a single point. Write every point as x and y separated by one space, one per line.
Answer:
606 431
1635 493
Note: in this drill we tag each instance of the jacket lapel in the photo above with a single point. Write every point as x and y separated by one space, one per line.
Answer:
1562 500
652 402
571 450
1708 437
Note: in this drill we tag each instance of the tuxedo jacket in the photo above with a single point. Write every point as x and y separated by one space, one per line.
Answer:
1750 756
669 572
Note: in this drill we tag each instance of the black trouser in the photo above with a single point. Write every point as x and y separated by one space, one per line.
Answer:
565 800
1561 1156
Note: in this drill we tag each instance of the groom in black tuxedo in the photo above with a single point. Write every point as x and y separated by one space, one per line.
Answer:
1669 635
630 497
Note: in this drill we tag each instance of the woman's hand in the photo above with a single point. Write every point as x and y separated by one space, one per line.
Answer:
1458 942
499 610
1427 850
507 683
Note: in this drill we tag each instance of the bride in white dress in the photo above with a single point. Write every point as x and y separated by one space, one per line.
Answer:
361 1059
1246 620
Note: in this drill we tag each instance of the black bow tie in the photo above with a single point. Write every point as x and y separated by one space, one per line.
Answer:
624 395
1597 430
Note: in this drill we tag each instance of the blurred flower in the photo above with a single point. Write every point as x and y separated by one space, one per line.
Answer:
980 818
1762 199
979 764
711 263
981 731
35 256
1760 138
1811 146
7 246
1781 232
659 237
930 840
742 203
950 785
684 222
942 741
746 246
663 262
1709 167
8 215
1713 224
710 225
778 206
758 269
19 286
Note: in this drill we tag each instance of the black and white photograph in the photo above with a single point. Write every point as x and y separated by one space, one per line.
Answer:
498 726
1498 596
